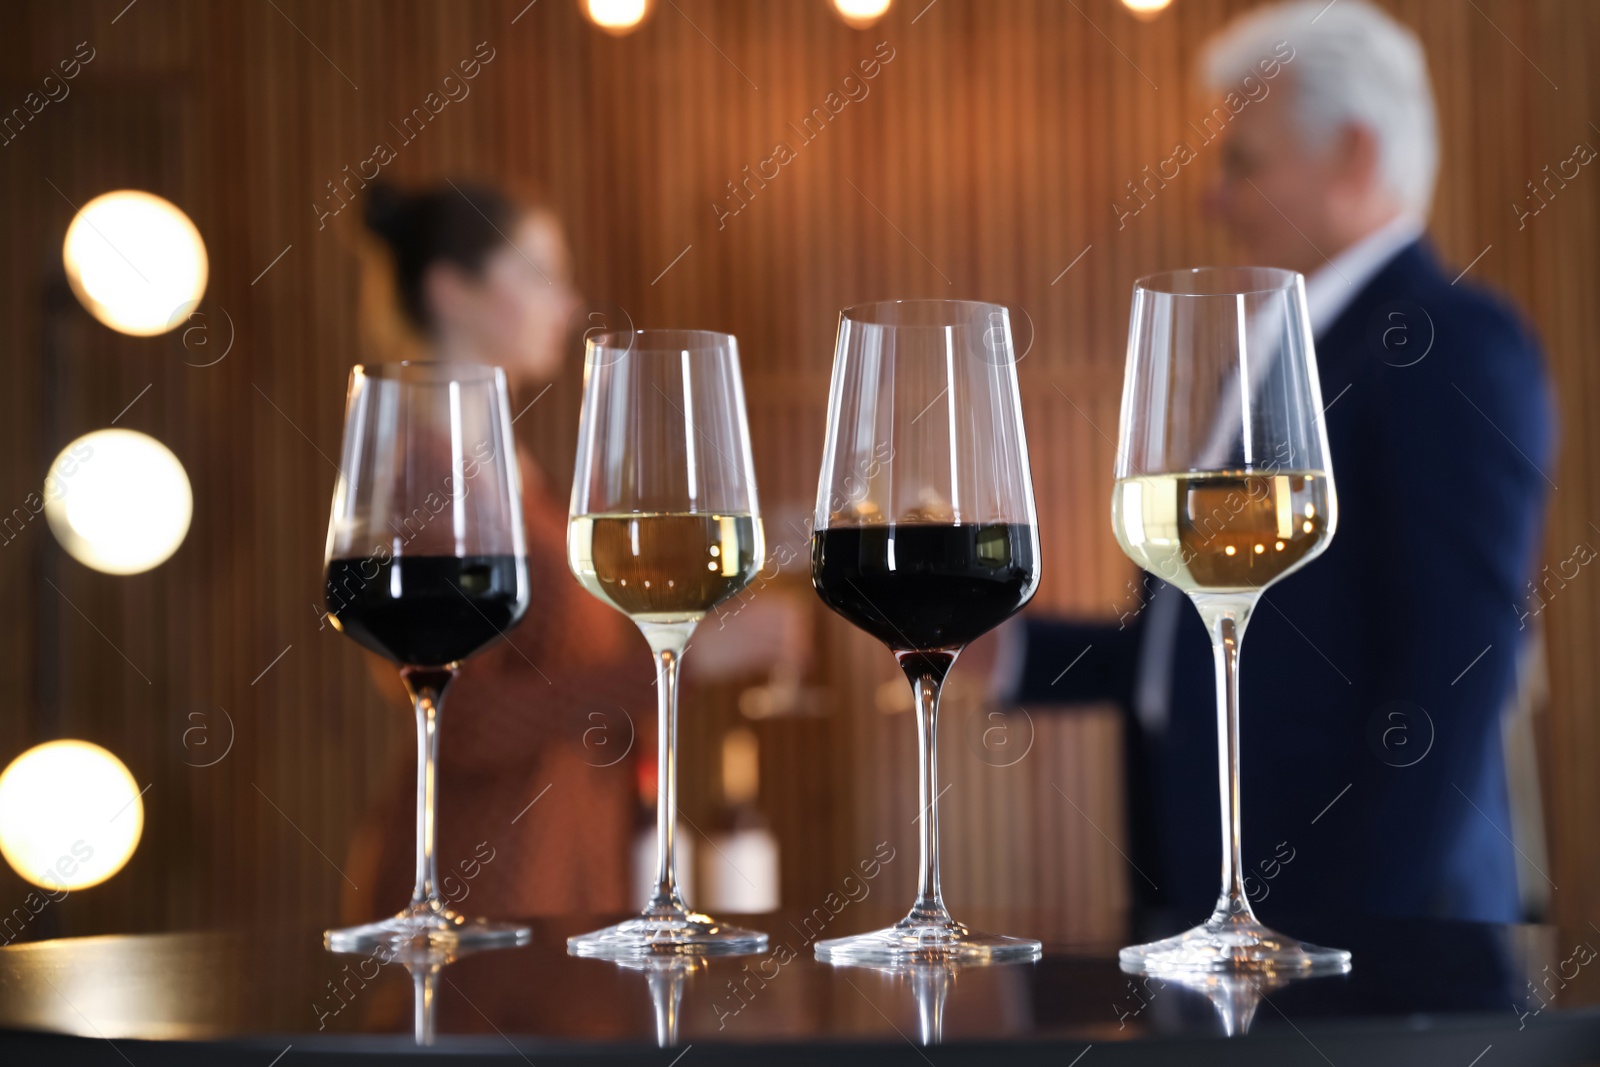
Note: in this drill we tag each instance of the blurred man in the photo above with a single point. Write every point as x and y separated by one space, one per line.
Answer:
1374 679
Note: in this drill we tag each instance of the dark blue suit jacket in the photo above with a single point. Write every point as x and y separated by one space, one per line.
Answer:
1374 679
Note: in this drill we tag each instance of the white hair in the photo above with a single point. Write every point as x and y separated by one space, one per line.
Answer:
1352 64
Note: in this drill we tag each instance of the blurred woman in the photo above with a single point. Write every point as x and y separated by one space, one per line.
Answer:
535 803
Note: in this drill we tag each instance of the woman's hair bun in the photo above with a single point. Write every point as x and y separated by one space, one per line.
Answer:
383 210
459 223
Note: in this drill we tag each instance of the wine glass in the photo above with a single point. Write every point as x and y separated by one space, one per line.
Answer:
1223 486
925 537
664 527
425 566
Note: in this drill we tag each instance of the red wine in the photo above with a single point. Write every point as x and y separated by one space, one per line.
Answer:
920 587
427 611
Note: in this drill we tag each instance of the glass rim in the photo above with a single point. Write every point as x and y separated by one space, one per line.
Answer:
429 371
1269 280
873 313
661 340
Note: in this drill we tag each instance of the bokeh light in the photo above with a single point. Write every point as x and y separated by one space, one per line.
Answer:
1146 9
861 13
616 16
118 501
136 262
70 815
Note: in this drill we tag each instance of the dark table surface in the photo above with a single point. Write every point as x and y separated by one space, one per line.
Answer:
1456 994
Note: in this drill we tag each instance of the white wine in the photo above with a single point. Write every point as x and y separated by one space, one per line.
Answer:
664 567
1226 531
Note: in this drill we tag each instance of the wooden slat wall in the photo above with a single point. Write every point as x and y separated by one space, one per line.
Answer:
984 160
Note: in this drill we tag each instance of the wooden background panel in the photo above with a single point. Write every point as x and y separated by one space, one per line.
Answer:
985 160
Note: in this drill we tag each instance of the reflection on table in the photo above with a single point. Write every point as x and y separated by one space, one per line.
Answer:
666 975
1451 982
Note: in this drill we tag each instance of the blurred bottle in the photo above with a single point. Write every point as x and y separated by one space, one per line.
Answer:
741 872
644 841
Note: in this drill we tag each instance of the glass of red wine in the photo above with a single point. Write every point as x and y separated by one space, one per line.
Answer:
426 565
925 537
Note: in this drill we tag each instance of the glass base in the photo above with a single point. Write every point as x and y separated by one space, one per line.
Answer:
913 940
668 932
1235 944
426 928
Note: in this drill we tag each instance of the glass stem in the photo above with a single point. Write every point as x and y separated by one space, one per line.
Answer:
668 642
1226 623
427 687
926 672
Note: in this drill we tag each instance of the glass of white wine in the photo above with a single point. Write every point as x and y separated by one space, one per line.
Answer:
1223 486
664 527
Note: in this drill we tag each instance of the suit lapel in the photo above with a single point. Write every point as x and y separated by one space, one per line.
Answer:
1381 323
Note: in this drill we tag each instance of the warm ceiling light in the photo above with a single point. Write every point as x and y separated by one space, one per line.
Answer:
118 501
70 815
1146 9
136 262
616 16
861 13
